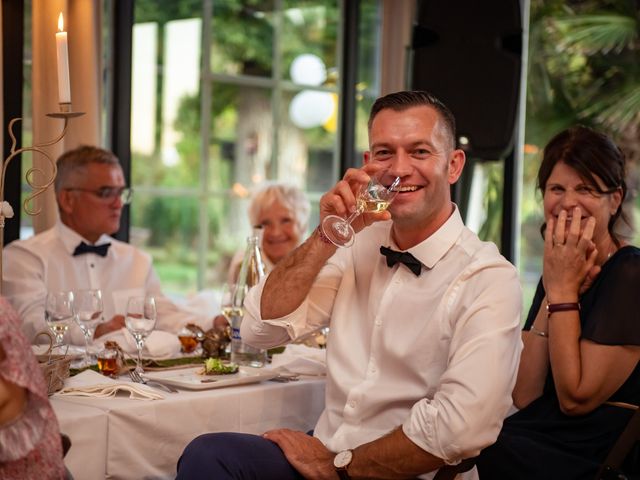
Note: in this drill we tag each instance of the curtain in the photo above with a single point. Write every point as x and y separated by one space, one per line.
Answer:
82 22
397 22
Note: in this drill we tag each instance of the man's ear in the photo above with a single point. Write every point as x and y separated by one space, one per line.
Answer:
456 164
66 201
366 157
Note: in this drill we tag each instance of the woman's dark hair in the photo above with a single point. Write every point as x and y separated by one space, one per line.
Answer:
592 154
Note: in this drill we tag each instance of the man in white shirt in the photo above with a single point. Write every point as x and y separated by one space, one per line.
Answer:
424 342
78 253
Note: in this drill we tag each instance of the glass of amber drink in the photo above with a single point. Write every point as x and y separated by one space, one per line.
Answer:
375 197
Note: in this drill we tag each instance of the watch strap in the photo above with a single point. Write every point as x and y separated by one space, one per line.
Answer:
343 474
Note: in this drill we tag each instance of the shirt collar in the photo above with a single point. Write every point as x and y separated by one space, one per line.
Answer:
70 238
431 250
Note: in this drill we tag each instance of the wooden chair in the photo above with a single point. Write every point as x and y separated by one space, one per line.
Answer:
630 436
449 472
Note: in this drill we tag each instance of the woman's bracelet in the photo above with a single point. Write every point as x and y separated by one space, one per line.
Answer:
562 307
540 333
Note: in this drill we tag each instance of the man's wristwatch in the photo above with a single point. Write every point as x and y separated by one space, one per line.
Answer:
341 462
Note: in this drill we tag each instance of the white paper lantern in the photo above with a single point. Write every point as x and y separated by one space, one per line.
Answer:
310 109
308 69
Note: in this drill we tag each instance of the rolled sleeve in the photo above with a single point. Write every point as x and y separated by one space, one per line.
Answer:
313 313
467 411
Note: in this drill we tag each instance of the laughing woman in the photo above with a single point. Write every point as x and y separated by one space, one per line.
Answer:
582 335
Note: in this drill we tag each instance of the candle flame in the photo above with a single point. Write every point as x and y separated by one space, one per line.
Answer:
60 23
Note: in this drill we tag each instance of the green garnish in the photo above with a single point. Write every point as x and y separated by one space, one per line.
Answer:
214 366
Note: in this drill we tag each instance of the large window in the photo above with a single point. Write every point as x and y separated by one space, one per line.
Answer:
227 94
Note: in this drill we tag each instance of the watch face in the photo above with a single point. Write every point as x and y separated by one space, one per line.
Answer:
342 459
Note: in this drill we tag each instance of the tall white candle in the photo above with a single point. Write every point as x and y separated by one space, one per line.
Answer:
62 51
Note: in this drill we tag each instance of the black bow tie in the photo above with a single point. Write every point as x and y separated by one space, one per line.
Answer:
409 260
97 249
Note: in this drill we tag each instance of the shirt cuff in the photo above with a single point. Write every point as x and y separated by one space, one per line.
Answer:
294 323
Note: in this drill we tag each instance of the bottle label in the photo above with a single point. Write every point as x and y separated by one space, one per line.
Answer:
235 334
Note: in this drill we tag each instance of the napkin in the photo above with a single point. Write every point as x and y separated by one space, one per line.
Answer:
93 384
157 345
301 359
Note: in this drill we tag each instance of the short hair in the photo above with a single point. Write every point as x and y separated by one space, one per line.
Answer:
74 162
592 154
400 101
288 195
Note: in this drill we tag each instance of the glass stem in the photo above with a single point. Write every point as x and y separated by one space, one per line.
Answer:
139 344
353 216
87 360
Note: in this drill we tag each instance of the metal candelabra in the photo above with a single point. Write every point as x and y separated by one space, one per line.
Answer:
6 211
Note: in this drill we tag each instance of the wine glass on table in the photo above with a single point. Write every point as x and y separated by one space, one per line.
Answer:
375 197
88 309
59 313
140 321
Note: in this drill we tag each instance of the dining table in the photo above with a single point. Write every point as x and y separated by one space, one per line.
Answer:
124 438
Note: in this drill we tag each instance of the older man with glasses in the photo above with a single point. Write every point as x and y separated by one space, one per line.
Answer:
79 253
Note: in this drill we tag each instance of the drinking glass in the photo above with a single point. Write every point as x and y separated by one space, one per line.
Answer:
88 310
372 198
58 312
140 321
232 300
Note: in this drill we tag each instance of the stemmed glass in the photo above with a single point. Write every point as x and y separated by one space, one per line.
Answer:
88 309
58 312
372 198
140 321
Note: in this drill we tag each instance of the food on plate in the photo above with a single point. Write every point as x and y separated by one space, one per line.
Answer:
214 366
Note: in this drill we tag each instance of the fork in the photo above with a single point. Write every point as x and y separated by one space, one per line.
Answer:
138 378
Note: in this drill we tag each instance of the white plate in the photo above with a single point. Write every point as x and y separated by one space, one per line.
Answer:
190 379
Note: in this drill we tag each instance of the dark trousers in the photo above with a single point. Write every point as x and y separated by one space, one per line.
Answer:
235 456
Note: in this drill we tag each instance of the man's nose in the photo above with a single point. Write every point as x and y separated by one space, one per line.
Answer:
400 164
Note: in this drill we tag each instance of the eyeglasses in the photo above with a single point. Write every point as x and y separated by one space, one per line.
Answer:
109 194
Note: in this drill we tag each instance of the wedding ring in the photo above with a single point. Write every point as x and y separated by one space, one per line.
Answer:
555 242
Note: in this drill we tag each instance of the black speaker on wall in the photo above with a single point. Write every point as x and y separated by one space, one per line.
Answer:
468 54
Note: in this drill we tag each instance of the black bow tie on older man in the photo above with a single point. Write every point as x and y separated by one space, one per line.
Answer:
97 249
409 260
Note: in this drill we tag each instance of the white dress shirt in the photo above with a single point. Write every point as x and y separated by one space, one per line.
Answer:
437 354
45 262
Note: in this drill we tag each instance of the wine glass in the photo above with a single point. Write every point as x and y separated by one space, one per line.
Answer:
59 313
88 310
372 198
140 321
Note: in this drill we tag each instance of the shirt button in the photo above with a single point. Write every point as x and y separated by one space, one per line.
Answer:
352 404
378 322
91 265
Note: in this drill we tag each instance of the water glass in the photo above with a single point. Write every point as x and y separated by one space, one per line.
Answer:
140 320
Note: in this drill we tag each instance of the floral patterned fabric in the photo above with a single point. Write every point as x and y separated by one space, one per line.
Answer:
30 446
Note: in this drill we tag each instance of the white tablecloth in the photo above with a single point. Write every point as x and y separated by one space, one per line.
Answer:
120 438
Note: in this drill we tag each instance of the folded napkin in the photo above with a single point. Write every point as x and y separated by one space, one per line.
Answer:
157 345
301 359
93 384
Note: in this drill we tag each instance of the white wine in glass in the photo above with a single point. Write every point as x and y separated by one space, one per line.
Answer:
375 197
140 321
59 313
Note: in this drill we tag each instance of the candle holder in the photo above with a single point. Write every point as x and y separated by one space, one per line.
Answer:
6 211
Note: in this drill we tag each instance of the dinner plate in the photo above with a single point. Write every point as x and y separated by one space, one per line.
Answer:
191 379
